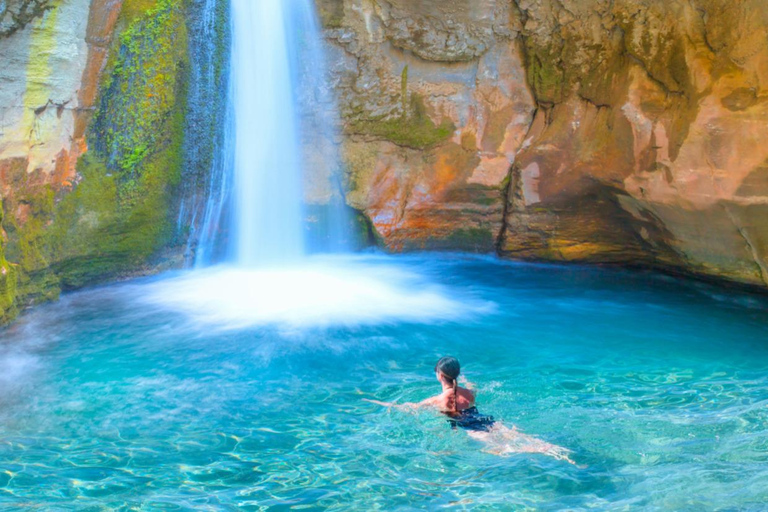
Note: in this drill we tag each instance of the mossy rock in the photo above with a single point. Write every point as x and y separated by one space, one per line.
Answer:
331 13
478 240
8 281
413 128
117 217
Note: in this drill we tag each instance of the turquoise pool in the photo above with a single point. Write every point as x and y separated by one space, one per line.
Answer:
126 398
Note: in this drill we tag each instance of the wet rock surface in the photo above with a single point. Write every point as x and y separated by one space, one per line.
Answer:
624 131
435 105
629 131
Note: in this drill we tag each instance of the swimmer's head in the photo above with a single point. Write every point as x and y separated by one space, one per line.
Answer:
448 367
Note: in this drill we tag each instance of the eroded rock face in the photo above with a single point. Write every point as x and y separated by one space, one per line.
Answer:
52 57
435 106
15 15
50 75
650 142
630 131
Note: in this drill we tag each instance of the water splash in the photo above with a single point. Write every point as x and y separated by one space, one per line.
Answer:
320 291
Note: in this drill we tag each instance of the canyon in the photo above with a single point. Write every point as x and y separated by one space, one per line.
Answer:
627 132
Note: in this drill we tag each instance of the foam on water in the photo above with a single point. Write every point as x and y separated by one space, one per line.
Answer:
318 291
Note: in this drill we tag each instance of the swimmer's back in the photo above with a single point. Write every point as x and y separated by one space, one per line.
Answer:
464 399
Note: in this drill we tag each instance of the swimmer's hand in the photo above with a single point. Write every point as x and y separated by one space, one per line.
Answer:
464 382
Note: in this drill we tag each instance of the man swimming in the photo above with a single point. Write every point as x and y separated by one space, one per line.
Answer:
458 404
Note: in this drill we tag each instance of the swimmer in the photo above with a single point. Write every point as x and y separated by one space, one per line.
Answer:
458 403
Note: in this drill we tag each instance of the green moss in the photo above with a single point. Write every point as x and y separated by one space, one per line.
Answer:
545 76
117 217
95 235
139 92
8 277
404 90
545 80
414 129
135 9
27 245
466 239
331 13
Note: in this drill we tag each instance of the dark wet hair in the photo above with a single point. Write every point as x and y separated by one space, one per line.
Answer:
450 368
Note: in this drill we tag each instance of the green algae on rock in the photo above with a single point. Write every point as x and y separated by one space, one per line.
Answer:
115 215
413 128
118 216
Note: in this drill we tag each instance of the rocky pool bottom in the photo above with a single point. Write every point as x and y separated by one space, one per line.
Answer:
209 391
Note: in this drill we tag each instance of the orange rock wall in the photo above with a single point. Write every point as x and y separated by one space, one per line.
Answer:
650 143
629 131
435 106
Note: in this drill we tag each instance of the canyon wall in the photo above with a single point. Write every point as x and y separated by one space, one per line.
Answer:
435 106
626 131
621 131
93 117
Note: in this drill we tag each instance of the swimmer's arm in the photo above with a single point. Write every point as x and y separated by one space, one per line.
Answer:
378 402
430 402
408 405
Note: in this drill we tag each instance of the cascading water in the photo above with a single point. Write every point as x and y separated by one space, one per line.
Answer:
267 168
206 134
280 103
277 90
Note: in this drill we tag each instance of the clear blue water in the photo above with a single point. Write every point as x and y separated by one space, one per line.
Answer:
658 386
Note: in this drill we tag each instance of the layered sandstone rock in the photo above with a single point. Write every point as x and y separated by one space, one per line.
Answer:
435 105
629 131
650 142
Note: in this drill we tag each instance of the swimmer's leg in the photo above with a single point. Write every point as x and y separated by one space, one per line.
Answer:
504 441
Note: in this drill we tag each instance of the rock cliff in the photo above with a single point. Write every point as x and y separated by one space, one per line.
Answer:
622 131
627 131
435 106
92 121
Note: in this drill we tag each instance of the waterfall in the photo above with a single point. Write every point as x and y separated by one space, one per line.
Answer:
278 91
206 163
260 223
